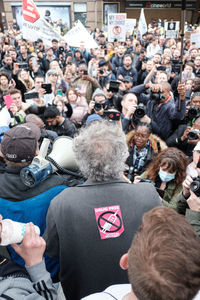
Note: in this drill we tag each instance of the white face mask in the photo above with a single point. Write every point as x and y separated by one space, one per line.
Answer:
165 176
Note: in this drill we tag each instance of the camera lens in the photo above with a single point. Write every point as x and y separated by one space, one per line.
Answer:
195 186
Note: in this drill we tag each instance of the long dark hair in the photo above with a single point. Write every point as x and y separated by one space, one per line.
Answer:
175 161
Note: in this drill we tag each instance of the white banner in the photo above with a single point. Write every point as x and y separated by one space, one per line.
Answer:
171 30
35 27
142 25
78 35
39 30
117 27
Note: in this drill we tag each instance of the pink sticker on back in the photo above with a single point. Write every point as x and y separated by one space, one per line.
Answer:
109 221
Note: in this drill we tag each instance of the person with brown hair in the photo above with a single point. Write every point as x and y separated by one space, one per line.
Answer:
163 261
167 171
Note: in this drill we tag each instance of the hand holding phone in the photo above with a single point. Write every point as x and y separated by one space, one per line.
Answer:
8 101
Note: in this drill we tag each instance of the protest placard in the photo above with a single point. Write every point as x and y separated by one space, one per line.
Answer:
117 27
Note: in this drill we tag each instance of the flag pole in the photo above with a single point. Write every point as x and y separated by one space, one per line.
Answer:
183 13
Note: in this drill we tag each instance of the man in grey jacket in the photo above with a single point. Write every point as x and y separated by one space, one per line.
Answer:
89 226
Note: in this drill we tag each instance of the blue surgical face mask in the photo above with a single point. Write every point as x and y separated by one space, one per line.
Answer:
164 176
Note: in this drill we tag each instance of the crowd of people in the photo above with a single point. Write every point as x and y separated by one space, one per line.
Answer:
131 113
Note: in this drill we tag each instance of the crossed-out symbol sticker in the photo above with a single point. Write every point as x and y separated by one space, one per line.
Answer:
109 221
117 30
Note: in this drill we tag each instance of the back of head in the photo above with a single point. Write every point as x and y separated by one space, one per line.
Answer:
101 151
19 144
164 260
51 112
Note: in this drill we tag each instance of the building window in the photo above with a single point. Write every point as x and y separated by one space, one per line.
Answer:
80 12
109 8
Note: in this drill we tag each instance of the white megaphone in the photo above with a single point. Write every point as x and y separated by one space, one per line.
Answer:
62 153
62 157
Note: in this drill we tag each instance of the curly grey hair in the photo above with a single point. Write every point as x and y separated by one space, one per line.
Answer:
101 151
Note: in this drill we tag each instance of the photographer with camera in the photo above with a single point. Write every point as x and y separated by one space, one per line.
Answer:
162 110
189 200
185 137
97 105
103 73
85 83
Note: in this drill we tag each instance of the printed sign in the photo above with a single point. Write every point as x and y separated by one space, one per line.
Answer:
171 30
195 38
116 27
130 24
109 221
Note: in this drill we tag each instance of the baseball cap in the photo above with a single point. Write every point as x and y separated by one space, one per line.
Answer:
19 143
127 79
92 118
102 63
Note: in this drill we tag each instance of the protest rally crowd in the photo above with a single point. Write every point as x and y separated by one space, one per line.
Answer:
130 113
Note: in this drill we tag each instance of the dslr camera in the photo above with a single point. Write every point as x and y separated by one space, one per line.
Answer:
140 111
193 134
195 186
114 86
193 112
98 106
157 97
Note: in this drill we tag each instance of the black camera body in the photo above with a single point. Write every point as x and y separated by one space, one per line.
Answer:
157 97
195 186
98 106
193 112
140 111
193 134
131 171
114 86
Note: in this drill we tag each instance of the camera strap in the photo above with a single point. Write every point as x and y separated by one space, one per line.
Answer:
154 112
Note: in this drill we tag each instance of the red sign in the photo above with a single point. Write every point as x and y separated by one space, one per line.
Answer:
30 12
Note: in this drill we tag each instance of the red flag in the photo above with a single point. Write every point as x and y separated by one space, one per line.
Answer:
30 12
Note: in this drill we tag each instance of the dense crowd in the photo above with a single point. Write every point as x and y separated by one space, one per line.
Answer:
133 110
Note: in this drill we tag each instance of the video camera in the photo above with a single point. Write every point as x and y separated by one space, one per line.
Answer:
43 166
195 186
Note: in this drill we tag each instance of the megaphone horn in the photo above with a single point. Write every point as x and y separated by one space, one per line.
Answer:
62 153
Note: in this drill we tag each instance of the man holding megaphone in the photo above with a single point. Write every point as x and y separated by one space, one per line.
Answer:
21 194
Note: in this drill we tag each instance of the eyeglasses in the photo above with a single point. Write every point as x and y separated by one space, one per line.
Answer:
142 136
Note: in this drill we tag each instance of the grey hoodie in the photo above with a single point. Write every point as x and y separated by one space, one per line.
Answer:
40 286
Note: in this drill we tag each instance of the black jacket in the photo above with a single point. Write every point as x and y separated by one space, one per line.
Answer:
12 188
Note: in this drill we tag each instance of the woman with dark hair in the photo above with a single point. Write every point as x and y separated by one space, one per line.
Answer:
168 171
143 145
